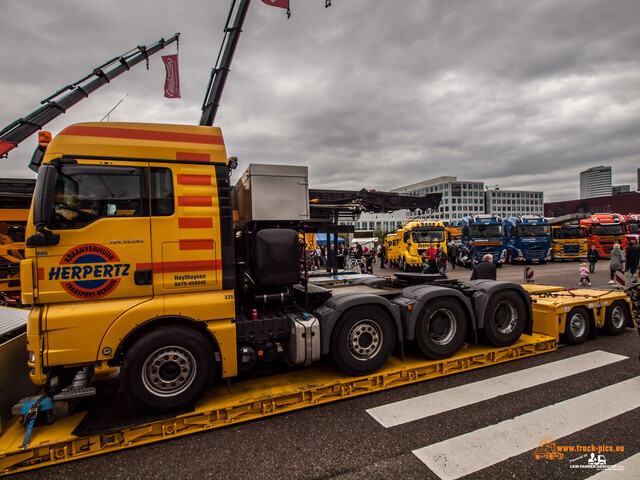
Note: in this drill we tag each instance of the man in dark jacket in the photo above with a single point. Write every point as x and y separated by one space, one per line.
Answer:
486 270
452 250
592 257
632 257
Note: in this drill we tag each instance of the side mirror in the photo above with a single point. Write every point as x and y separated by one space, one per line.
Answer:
43 205
43 196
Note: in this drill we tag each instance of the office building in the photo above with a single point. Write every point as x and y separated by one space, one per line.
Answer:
596 182
460 198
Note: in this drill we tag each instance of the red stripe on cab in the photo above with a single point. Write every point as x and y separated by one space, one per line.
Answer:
200 244
184 179
193 157
194 201
197 222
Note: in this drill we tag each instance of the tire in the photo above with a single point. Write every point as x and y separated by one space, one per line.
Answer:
509 257
616 317
505 318
577 326
362 340
441 329
185 369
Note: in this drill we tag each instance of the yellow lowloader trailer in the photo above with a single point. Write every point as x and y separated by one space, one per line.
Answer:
95 431
574 315
99 428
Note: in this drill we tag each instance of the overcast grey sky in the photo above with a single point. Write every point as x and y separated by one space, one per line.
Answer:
367 93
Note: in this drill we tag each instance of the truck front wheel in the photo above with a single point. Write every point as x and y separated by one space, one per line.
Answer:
505 319
362 340
441 329
167 369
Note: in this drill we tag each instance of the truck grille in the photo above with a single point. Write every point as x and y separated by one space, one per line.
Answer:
571 249
535 252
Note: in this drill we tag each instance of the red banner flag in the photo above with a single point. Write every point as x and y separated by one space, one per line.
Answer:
172 80
277 3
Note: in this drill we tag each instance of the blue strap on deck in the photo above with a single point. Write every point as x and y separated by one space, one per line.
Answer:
30 412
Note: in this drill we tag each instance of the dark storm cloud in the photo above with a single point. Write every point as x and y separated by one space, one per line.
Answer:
368 92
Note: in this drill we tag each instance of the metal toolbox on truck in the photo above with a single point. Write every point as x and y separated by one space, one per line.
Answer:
272 192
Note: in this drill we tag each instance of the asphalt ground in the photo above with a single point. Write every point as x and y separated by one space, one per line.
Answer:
342 441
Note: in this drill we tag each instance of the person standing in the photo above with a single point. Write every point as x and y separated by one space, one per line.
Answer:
442 261
616 263
472 253
631 253
381 254
432 254
453 254
486 270
592 257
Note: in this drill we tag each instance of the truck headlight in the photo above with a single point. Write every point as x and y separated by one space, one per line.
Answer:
32 357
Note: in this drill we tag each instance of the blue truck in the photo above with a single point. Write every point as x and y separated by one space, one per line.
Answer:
487 233
527 239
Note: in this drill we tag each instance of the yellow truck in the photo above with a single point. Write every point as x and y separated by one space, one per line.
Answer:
568 242
392 251
414 238
139 256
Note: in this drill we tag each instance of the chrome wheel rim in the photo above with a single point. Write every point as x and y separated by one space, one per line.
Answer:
169 371
617 317
506 318
577 325
365 339
441 327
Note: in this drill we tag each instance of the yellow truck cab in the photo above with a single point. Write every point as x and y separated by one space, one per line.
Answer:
568 241
415 237
131 228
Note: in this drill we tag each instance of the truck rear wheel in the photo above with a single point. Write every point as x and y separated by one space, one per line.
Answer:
441 329
577 326
362 340
167 369
616 317
505 318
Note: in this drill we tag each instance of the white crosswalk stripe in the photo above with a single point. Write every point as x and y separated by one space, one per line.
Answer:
434 403
468 453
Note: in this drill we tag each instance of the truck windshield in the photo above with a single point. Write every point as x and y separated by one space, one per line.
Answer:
427 236
532 231
608 229
569 233
634 228
485 231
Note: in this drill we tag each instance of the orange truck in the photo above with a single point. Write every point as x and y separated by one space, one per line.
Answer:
604 230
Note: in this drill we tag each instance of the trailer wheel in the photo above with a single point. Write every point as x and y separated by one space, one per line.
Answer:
167 369
616 317
577 326
505 318
441 329
362 340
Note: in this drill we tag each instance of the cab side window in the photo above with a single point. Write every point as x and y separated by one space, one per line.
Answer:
161 183
86 193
